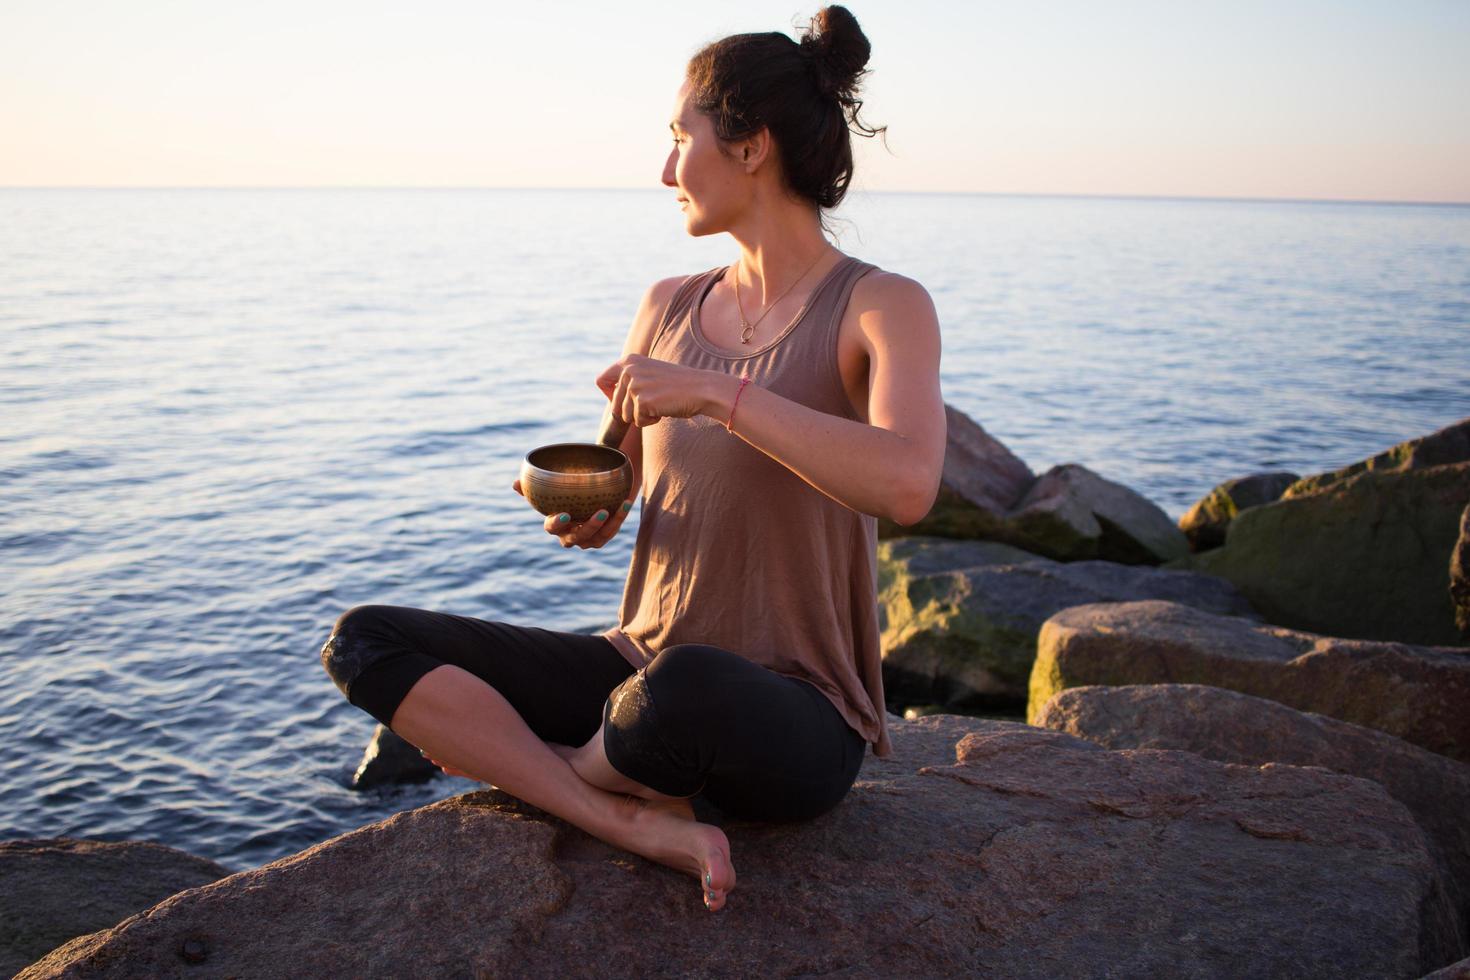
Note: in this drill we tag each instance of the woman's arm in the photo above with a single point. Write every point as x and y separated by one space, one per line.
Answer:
594 533
888 467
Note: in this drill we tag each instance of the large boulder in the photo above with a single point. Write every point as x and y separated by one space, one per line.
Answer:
1367 557
56 889
1420 694
981 480
1071 514
1020 853
1460 576
960 618
1449 445
1230 727
1205 523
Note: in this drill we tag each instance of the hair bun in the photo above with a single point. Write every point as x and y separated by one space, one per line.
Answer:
837 50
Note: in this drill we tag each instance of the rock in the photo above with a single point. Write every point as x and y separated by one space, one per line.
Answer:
1455 971
960 618
390 759
57 889
1460 576
1368 557
1420 694
1204 524
1024 853
1070 514
1449 445
1230 727
981 480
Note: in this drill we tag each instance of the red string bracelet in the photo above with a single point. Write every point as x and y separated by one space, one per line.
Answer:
735 404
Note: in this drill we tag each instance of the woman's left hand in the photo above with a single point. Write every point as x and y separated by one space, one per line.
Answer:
643 390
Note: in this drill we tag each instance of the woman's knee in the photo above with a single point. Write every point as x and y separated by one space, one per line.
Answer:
682 672
355 644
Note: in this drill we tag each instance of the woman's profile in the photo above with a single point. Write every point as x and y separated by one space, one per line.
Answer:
780 405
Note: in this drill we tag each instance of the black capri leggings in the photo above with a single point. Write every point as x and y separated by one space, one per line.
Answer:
698 720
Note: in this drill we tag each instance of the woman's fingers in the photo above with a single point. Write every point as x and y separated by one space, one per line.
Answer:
594 532
516 486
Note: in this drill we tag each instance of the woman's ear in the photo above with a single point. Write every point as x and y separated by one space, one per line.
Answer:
755 149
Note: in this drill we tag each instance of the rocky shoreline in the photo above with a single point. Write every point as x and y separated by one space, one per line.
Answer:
1248 754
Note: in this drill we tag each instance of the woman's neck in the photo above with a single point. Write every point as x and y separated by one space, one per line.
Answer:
778 246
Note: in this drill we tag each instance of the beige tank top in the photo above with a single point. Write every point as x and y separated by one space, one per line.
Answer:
737 551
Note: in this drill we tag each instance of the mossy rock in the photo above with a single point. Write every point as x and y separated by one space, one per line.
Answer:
1368 557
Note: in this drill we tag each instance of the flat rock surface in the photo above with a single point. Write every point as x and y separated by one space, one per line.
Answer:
1366 557
56 889
1420 694
961 618
1018 852
1230 727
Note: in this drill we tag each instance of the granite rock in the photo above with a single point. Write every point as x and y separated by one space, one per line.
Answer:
1230 727
1072 514
1017 852
960 618
1418 693
59 888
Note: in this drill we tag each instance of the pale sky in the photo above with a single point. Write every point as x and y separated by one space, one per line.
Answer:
1330 99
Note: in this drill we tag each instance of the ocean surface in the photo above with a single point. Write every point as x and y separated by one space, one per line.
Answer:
230 415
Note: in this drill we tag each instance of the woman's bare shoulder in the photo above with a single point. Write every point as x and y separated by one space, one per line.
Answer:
651 310
887 302
882 289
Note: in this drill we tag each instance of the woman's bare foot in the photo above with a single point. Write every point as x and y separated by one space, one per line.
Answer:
666 831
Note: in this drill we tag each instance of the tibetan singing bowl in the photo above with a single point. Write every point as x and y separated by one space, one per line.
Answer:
579 478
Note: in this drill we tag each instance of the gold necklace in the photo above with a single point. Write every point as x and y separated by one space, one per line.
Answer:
747 330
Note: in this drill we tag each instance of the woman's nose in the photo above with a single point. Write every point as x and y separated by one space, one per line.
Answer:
668 177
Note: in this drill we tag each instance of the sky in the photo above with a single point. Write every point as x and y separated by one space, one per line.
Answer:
1303 99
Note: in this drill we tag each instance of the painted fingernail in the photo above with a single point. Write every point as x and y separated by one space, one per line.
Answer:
600 516
627 506
563 518
707 882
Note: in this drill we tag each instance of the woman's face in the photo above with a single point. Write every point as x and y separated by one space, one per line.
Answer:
711 186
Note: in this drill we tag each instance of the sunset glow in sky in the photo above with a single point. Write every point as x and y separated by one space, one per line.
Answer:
1248 98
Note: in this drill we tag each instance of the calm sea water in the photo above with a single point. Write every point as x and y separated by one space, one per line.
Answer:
230 415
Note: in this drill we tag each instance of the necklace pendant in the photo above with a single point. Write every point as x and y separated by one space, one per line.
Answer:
746 333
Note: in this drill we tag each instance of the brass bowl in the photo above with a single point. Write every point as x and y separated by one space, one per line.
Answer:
577 478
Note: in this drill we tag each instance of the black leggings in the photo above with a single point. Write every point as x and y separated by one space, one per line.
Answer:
697 720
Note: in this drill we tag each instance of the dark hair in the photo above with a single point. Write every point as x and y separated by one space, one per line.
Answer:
805 93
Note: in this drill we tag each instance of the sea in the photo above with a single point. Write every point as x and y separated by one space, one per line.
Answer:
230 415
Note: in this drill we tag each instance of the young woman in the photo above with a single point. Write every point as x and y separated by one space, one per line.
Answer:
779 406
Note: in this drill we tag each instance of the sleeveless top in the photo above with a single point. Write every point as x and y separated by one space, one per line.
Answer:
737 551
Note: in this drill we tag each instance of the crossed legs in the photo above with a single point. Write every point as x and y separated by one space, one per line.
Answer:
466 725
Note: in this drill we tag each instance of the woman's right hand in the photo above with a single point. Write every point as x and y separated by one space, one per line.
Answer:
591 533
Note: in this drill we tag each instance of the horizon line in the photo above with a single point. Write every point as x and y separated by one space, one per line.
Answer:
1397 202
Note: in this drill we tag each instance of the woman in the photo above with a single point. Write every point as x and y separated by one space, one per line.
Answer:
779 407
